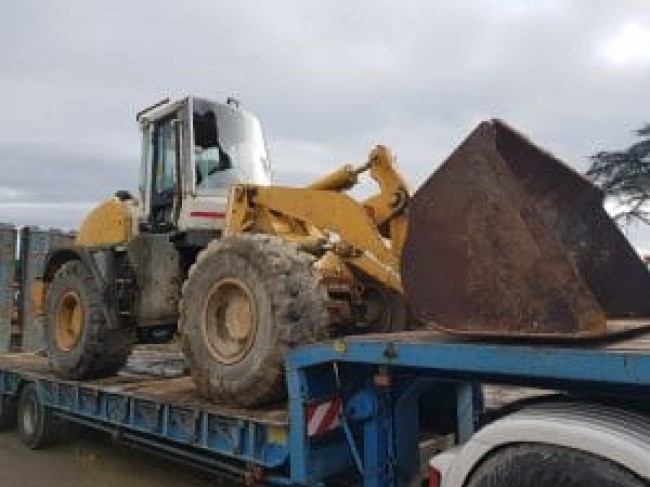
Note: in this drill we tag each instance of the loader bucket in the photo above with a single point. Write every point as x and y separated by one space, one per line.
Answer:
504 239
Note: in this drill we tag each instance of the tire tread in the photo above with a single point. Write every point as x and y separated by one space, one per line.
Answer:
299 308
104 350
549 466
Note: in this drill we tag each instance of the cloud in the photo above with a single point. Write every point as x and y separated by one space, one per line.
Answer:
629 46
329 79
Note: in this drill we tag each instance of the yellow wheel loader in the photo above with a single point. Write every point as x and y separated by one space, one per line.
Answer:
503 240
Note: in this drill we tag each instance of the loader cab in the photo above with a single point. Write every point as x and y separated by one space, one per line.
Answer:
193 150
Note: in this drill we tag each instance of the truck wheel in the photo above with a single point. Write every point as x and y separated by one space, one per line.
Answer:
7 412
79 343
35 422
549 466
247 301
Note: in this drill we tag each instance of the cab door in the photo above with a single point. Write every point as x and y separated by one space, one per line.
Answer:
165 175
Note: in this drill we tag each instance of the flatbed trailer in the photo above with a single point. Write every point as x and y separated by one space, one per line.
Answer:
359 409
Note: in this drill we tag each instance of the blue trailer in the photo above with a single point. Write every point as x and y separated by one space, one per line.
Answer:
362 410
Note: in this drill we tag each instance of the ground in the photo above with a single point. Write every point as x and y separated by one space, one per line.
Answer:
92 459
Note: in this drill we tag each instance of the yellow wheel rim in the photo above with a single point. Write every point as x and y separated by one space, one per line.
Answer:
229 321
69 321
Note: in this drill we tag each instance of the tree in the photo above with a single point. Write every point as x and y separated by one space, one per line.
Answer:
625 176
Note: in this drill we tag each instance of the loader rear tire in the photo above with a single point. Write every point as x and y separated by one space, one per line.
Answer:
248 300
79 343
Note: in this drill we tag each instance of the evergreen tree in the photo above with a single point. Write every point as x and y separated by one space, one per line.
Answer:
625 176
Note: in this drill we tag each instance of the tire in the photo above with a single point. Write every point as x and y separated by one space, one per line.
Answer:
280 302
7 413
537 465
79 343
386 311
36 428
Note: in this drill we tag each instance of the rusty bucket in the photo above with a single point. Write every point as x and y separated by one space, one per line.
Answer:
504 239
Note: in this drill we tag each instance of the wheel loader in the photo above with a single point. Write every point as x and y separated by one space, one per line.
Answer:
503 241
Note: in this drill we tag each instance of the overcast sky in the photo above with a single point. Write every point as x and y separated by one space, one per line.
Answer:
329 79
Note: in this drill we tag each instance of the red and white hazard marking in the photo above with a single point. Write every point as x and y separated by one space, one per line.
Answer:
323 417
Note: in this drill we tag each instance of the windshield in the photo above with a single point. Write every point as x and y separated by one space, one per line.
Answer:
228 148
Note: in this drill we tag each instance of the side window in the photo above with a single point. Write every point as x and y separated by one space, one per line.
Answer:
164 177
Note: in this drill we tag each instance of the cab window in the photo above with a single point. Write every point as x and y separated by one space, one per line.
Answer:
164 180
213 165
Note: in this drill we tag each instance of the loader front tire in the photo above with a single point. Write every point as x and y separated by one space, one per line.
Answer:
248 299
80 345
386 310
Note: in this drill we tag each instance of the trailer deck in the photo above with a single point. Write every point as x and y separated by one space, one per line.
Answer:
621 359
357 406
153 404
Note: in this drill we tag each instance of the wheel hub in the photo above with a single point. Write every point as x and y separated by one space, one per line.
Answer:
69 321
29 418
229 321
